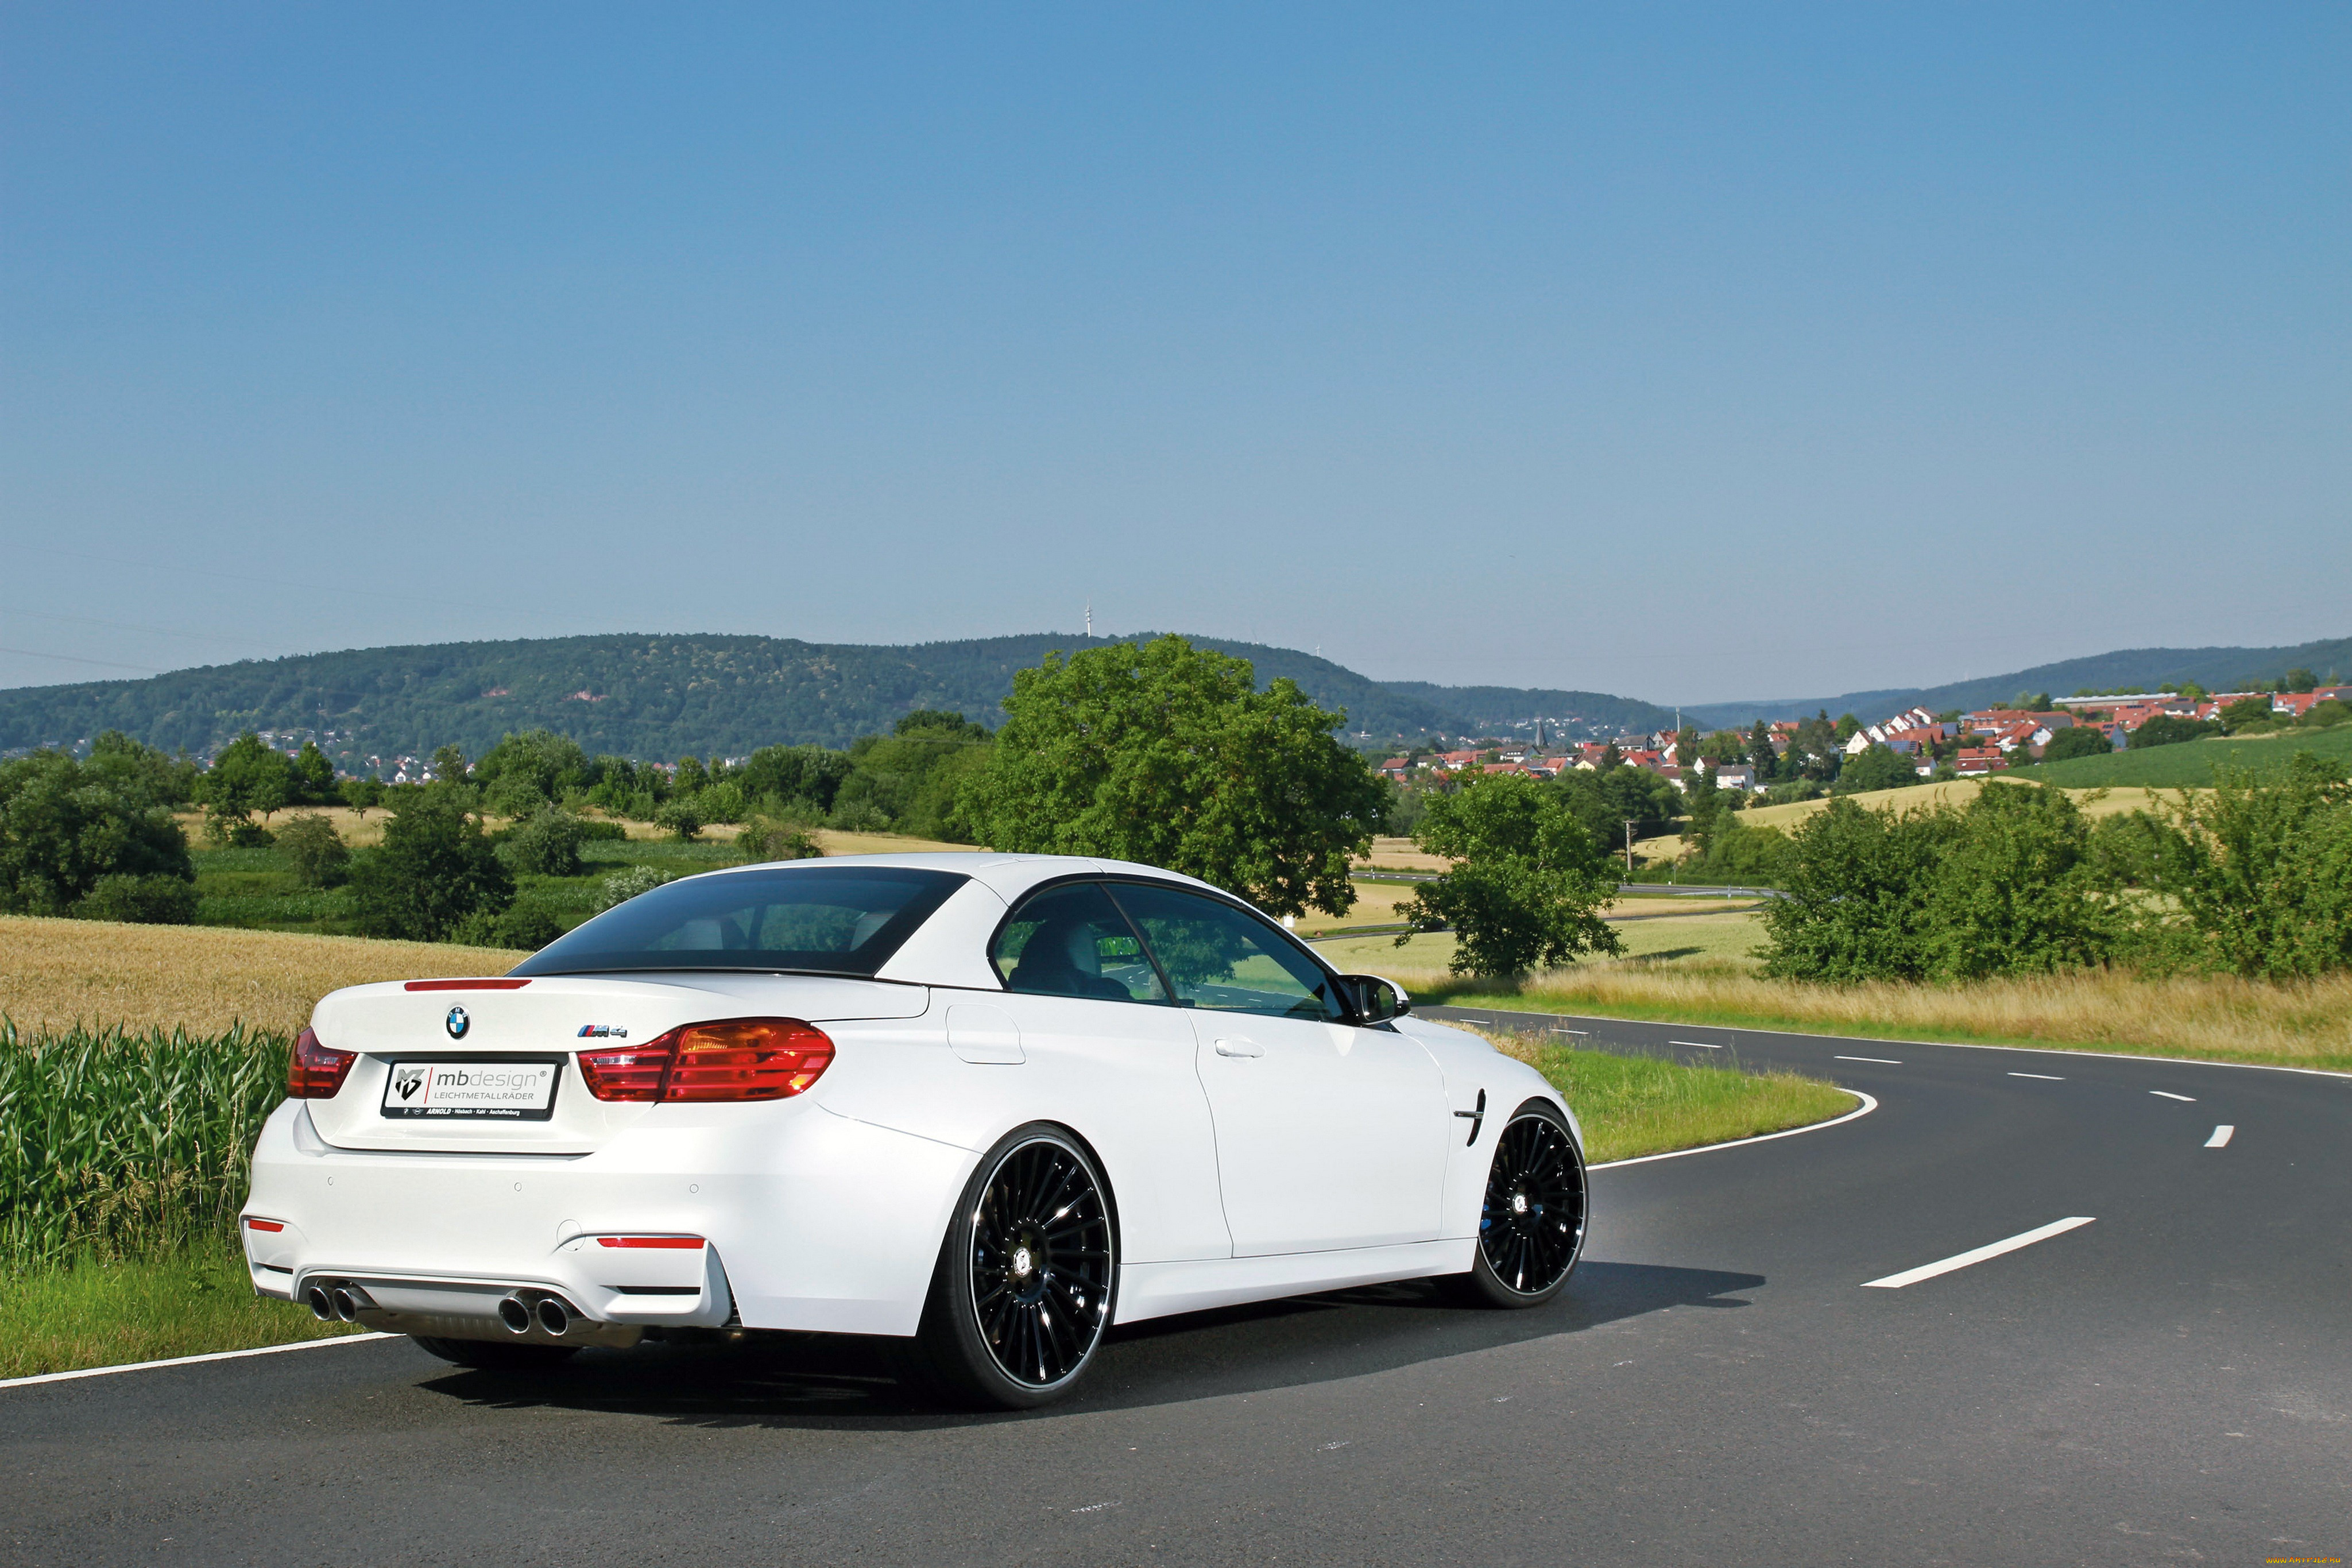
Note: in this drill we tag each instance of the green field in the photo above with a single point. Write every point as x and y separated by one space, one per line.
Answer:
258 888
2191 764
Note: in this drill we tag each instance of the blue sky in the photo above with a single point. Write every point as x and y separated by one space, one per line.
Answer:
1691 353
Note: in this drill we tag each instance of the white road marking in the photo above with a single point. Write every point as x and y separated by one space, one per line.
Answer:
2165 1093
190 1360
2051 1076
1962 1259
1557 1029
1882 1061
2221 1138
1700 1043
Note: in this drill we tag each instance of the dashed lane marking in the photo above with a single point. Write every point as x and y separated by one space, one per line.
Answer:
2051 1077
1977 1254
2167 1095
1700 1043
2221 1138
1882 1061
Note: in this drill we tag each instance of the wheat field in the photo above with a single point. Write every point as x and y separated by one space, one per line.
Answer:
205 979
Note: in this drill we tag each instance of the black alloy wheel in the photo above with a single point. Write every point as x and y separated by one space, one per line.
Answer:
1023 1289
1531 1228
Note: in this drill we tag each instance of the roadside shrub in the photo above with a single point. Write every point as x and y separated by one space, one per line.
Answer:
546 845
315 851
139 899
624 885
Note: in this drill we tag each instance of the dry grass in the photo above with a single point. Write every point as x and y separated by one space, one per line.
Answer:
1400 854
2216 1018
2095 803
55 973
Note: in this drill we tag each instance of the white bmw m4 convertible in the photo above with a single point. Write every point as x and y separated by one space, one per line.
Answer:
989 1106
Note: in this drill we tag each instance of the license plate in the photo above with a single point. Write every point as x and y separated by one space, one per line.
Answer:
472 1090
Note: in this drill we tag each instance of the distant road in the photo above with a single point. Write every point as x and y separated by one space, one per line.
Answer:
2034 1309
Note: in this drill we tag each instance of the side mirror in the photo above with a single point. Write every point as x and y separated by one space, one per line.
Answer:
1378 1000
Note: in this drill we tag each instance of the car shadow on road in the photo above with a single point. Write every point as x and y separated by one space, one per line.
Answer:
825 1380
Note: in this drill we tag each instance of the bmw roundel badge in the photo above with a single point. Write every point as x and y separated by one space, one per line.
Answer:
458 1023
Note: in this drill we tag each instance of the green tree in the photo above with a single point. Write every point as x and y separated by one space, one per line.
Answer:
248 776
2264 877
2031 702
449 766
2165 729
311 778
1527 881
546 845
434 869
529 769
1857 895
2299 680
912 779
779 776
139 772
315 851
2016 891
1165 753
2082 740
65 830
1875 767
1606 800
2246 713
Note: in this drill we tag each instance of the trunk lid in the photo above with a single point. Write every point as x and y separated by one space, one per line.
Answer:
526 1034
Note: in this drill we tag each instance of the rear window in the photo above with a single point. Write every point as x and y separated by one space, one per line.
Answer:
818 920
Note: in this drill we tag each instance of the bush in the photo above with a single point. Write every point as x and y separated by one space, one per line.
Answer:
315 851
1875 767
2164 729
140 899
624 885
2331 712
546 845
2083 740
679 818
523 924
765 841
433 870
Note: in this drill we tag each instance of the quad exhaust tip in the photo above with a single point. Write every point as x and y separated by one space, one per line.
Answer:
515 1313
323 1306
554 1315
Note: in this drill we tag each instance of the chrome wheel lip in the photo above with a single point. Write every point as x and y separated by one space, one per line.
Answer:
1041 1326
1536 1168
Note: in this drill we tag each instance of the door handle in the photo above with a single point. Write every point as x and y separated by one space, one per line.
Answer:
1239 1047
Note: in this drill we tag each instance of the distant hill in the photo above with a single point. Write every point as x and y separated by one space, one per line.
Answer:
666 696
2215 669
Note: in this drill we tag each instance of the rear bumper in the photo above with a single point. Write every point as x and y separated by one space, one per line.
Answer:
814 1221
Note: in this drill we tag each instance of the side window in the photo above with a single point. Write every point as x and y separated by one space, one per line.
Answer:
1224 959
1072 941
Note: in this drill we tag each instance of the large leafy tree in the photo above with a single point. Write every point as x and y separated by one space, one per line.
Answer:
247 775
69 832
1526 882
1167 754
434 869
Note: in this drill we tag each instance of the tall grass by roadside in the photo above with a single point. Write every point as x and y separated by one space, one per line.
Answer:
1631 1106
2218 1018
106 1314
120 1143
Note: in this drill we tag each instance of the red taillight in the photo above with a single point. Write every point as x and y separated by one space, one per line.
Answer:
271 1225
731 1060
315 1073
680 1243
628 1072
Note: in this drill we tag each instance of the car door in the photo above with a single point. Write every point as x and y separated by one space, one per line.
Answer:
1093 1026
1330 1134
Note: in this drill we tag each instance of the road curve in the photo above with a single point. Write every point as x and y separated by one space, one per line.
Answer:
1738 1375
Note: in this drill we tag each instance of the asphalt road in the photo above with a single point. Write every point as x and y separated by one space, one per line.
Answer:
2170 1383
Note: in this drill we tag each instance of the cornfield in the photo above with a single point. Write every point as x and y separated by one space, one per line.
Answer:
118 1143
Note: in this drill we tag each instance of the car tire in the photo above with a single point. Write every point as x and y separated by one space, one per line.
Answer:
489 1356
1531 1224
1023 1289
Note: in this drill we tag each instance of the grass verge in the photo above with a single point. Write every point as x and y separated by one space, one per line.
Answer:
2213 1017
104 1314
1632 1106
